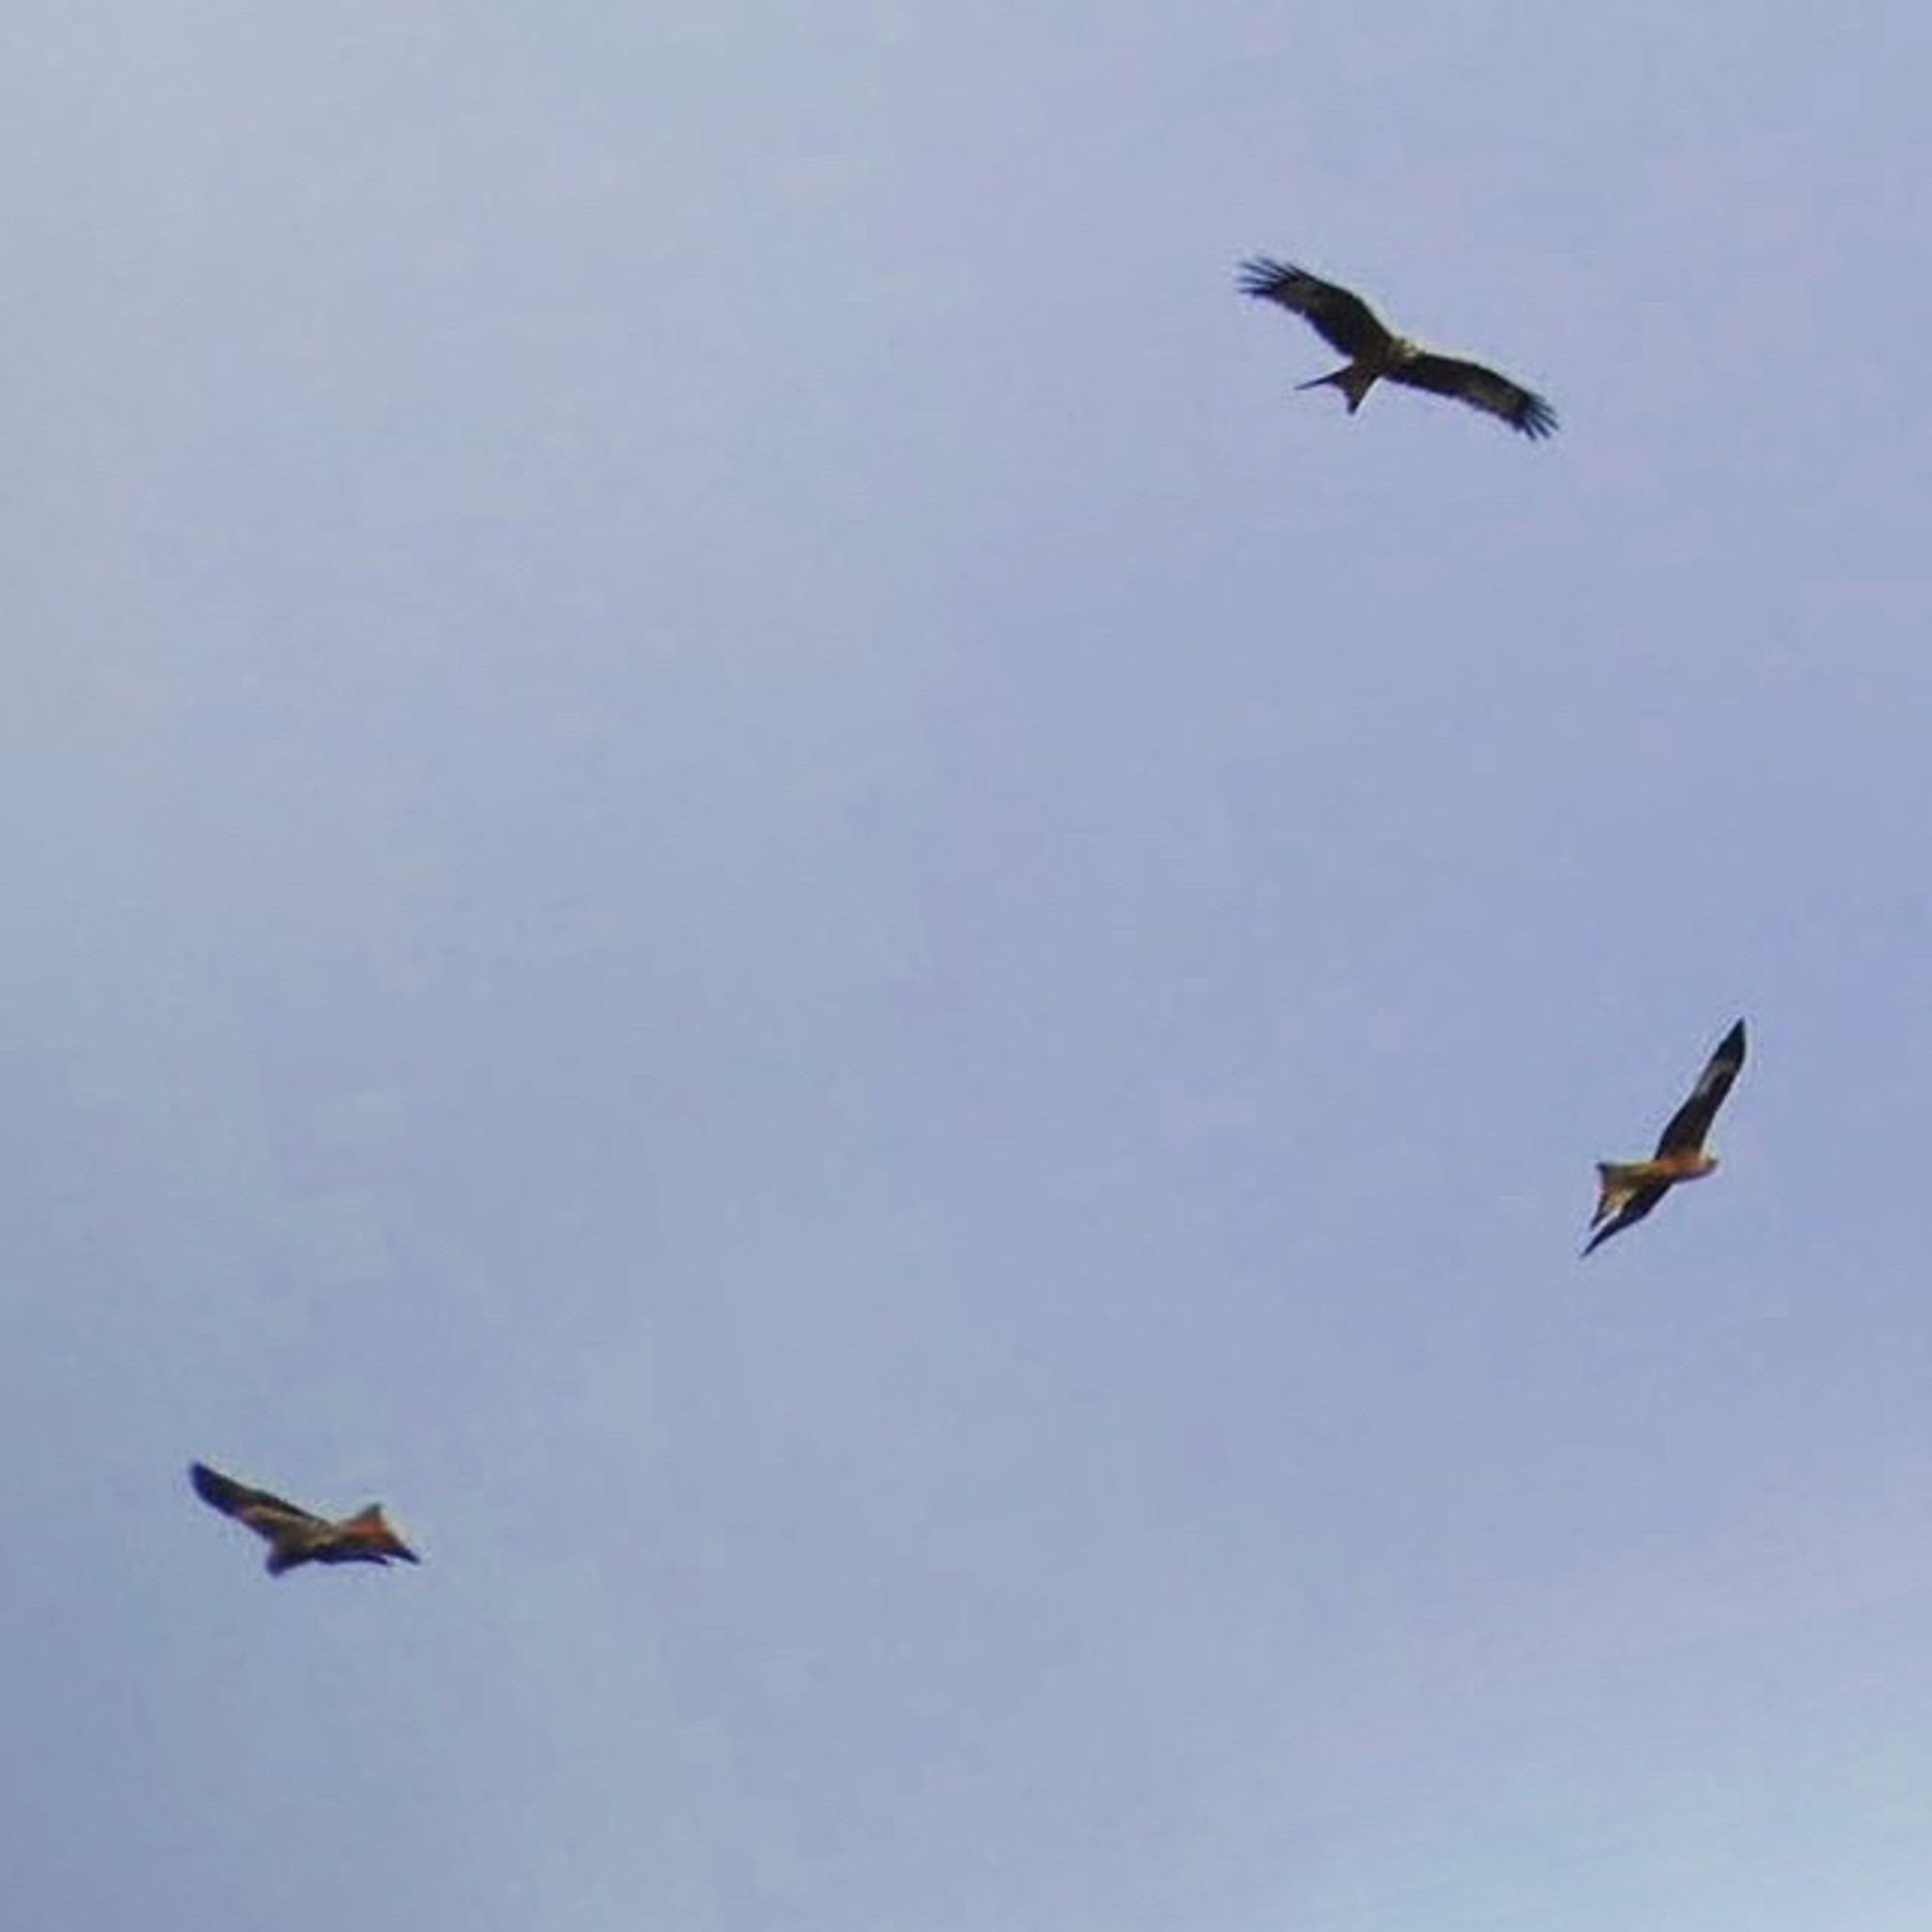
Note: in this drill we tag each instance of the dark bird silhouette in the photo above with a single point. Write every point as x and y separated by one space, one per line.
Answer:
293 1535
1345 322
1627 1190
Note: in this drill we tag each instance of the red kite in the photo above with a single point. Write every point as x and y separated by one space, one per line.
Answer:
1627 1190
1345 322
293 1535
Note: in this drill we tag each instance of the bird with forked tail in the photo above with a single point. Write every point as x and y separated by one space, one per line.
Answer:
1345 322
1627 1190
294 1535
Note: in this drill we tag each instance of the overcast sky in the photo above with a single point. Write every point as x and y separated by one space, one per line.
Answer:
739 865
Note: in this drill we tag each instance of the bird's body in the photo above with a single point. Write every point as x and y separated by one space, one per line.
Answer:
1627 1190
294 1535
1620 1180
1345 322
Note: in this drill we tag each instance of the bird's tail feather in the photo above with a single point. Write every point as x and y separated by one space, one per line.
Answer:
1353 382
1614 1186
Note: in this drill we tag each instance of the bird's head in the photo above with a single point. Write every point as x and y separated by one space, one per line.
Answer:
374 1531
392 1545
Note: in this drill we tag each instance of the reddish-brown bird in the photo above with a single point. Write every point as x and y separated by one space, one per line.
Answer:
1627 1190
1345 322
293 1535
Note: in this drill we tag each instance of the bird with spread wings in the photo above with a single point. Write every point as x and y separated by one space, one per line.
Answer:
1345 322
1627 1190
293 1534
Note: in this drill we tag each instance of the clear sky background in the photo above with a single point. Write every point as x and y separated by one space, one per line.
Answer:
736 862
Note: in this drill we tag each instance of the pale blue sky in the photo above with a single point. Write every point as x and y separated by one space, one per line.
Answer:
742 866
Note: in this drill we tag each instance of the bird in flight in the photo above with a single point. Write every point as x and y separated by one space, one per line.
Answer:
1627 1190
293 1535
1345 322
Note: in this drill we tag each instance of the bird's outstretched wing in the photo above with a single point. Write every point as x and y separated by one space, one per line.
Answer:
1687 1127
1481 389
1343 320
265 1513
